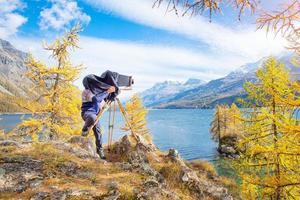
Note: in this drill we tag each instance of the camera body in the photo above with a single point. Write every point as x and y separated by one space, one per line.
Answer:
97 84
125 81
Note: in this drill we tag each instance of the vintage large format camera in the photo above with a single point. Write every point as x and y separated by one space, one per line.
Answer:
125 81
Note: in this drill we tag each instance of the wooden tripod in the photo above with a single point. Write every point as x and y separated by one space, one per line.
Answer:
106 106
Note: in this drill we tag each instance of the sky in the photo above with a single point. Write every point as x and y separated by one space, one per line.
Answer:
134 38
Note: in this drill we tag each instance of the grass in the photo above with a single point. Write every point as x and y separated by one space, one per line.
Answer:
203 166
102 174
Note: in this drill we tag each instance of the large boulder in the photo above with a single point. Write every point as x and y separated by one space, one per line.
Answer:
153 190
63 194
79 146
72 169
189 178
19 173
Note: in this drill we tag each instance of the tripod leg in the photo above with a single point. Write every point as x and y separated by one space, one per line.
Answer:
123 111
112 125
109 128
106 105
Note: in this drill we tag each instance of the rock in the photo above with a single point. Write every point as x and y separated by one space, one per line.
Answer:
125 166
53 187
203 188
2 172
76 150
151 182
229 140
155 193
112 195
228 150
112 186
59 195
173 154
72 169
10 143
235 156
145 168
40 196
20 173
36 183
75 193
145 145
122 146
85 143
189 176
136 157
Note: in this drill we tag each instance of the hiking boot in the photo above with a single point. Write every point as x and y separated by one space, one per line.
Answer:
84 133
101 154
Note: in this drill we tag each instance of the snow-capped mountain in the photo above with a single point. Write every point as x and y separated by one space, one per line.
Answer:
162 92
222 90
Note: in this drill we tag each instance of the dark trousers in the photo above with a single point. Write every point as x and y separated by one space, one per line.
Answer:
89 119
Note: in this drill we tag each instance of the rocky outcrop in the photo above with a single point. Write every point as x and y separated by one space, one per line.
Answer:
153 190
228 147
79 146
18 174
51 174
190 179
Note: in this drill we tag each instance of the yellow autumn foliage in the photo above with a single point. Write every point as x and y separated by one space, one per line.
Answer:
226 122
57 110
270 152
137 113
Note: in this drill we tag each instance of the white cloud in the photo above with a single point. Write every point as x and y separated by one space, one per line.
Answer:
10 20
244 42
148 64
61 14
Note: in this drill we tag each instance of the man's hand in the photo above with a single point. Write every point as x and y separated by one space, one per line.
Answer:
111 89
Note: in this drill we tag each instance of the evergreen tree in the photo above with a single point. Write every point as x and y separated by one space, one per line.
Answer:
57 110
137 113
269 160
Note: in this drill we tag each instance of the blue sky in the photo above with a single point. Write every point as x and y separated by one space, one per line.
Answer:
131 37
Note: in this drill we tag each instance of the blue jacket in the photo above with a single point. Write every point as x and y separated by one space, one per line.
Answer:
92 102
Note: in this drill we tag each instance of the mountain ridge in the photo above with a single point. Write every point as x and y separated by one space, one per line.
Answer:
224 90
13 80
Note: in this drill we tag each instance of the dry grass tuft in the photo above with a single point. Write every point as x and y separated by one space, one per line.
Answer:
203 166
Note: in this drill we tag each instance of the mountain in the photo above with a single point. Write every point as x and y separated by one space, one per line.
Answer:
13 82
220 91
162 92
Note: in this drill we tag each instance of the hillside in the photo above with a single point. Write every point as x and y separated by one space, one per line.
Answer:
220 91
70 169
13 82
163 92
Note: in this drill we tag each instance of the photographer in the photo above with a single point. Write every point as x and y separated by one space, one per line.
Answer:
91 105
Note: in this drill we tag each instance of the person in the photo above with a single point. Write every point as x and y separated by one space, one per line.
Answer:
91 105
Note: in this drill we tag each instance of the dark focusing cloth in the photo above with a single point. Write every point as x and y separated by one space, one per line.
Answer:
98 84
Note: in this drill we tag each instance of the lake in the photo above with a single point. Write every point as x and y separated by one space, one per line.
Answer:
186 130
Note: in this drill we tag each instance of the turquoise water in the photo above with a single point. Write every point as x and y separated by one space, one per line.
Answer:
186 130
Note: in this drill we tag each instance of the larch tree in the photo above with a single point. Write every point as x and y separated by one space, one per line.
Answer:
219 124
269 157
235 123
226 123
216 125
56 111
136 114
